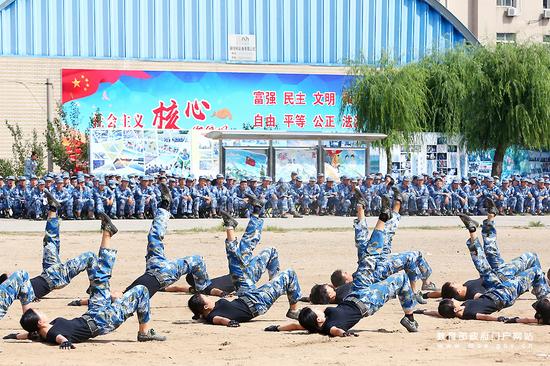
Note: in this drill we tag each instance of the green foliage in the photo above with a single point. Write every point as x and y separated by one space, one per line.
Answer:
21 149
6 168
492 97
509 99
495 97
388 99
63 132
447 88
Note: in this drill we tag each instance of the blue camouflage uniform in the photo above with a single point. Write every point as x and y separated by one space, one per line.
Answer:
329 198
165 271
408 197
374 296
422 196
124 207
19 198
146 200
260 299
312 193
510 200
220 198
83 200
540 196
38 204
344 195
246 269
200 203
268 194
101 195
4 200
525 201
456 195
297 195
375 261
494 193
492 253
177 195
57 274
438 195
240 206
16 287
186 201
65 199
502 290
108 315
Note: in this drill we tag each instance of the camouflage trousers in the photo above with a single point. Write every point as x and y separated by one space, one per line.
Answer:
165 271
260 299
246 269
374 296
51 244
506 293
493 277
16 287
56 273
109 315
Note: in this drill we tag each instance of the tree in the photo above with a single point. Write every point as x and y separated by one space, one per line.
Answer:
69 146
388 99
509 100
22 149
493 97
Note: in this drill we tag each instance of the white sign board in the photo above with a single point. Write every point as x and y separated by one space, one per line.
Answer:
242 47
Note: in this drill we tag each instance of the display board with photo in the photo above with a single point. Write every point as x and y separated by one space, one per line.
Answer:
139 152
246 163
300 160
349 162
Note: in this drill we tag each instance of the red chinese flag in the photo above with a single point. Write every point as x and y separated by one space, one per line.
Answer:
79 83
250 161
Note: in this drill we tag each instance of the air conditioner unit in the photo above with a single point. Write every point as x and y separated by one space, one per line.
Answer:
512 12
546 13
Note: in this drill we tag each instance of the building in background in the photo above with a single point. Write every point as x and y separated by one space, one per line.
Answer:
163 40
504 20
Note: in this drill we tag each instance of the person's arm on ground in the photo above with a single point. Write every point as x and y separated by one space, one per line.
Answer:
177 288
432 313
64 342
337 332
289 327
220 320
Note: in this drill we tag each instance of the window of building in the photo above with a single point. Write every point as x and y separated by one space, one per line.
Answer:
546 38
507 3
506 37
546 4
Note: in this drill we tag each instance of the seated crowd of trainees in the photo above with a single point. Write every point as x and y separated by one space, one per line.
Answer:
380 276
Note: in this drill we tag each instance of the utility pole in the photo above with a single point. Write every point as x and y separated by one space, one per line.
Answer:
49 118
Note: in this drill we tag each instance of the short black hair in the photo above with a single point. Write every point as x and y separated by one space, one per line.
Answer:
196 305
337 278
446 309
542 308
448 291
3 277
34 153
308 320
29 321
548 274
319 295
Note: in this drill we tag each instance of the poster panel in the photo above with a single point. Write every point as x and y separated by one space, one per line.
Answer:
300 160
246 163
349 162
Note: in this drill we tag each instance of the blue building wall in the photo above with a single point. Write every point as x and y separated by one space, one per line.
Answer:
325 32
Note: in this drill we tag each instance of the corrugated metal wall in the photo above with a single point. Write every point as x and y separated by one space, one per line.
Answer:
325 32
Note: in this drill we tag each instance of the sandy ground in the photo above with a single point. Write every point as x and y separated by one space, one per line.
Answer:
313 254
